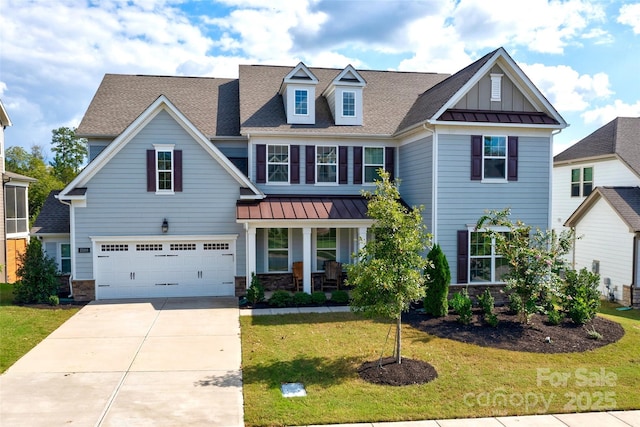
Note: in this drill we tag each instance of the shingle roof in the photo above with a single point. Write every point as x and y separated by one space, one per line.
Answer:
621 136
626 201
53 217
211 104
387 97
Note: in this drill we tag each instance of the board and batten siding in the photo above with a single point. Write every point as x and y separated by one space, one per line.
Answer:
119 205
461 201
416 175
604 237
610 172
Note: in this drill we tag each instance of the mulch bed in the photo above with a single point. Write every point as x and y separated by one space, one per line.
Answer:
388 372
510 334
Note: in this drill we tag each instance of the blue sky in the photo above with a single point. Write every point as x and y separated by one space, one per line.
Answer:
583 55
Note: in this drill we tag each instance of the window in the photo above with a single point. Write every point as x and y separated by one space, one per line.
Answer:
301 102
327 164
65 258
16 209
349 104
278 249
485 265
494 159
326 246
581 182
373 160
278 163
164 170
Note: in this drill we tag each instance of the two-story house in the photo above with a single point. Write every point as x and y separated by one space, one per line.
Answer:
595 192
196 183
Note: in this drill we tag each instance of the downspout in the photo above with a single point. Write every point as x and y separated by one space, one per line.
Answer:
73 258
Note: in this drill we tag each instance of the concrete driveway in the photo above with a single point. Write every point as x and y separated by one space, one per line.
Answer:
157 362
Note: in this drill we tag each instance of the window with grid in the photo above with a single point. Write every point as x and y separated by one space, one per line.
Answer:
16 210
581 182
278 163
278 249
494 157
301 102
373 160
326 164
65 258
326 246
485 264
164 170
349 104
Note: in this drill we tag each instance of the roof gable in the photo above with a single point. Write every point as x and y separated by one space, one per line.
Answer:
299 75
4 117
53 217
160 104
625 201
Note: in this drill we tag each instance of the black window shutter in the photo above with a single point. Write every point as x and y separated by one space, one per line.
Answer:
310 159
476 157
151 170
512 165
294 155
357 165
261 163
177 170
390 162
343 160
463 256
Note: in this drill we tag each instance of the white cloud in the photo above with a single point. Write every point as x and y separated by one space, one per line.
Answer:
603 115
630 15
567 89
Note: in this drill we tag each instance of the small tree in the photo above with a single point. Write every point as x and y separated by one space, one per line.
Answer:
38 276
388 274
533 257
580 296
439 276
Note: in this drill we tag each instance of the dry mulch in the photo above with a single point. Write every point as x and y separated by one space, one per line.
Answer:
388 372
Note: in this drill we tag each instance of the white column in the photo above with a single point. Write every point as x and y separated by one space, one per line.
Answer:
362 237
306 260
251 252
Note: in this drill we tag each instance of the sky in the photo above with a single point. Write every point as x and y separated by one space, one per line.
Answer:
583 55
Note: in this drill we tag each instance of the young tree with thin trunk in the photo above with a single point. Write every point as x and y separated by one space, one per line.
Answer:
388 274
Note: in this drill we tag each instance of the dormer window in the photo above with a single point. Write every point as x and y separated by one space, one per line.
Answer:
302 102
344 96
298 92
496 87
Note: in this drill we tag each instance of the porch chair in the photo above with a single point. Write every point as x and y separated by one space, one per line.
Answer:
332 274
297 275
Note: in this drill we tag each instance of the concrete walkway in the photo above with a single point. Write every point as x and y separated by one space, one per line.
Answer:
160 362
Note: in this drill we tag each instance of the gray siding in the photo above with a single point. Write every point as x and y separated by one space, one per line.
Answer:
95 147
118 203
462 201
416 174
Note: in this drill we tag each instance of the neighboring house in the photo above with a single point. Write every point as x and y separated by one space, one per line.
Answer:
14 226
595 192
52 228
196 183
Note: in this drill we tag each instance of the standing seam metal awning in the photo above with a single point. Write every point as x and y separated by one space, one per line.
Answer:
303 208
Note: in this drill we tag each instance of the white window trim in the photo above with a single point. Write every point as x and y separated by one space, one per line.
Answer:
295 92
19 234
319 268
496 87
60 257
355 104
364 164
506 161
162 148
581 180
328 164
266 250
493 255
288 181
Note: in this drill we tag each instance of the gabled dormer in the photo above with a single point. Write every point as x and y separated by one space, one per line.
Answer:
344 96
298 92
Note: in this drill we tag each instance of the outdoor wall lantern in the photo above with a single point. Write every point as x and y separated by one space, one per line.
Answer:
165 225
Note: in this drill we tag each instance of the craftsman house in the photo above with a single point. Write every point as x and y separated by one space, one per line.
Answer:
196 183
596 192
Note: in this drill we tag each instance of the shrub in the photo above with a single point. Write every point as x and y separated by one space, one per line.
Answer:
491 319
437 276
461 303
38 276
255 293
515 303
593 334
302 298
486 301
554 317
318 298
281 299
53 300
580 297
340 297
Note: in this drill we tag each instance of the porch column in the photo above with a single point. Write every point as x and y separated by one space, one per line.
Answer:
251 252
362 237
306 260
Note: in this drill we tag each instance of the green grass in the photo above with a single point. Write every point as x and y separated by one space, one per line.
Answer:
21 328
323 351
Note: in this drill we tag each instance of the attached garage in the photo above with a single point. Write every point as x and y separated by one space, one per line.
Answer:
180 266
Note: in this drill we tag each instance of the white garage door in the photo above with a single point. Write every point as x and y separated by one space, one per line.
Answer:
148 269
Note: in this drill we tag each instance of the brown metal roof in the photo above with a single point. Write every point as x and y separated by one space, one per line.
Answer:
303 207
480 116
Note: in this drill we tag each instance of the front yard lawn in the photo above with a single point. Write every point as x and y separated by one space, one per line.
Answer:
21 328
323 351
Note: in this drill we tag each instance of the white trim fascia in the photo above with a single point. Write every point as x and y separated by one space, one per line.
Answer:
5 121
288 78
51 235
162 103
309 135
302 223
164 238
591 159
